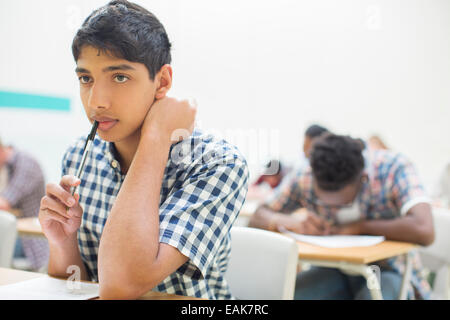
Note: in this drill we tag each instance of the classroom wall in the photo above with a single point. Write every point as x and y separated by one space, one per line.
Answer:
261 71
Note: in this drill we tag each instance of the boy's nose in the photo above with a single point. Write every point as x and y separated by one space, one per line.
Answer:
98 97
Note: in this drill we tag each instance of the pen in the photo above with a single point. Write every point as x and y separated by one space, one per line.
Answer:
86 150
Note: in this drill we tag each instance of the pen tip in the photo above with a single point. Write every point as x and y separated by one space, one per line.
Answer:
93 131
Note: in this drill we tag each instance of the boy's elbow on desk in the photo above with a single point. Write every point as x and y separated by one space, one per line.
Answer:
126 283
116 289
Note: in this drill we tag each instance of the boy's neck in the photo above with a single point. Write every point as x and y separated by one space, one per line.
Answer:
126 150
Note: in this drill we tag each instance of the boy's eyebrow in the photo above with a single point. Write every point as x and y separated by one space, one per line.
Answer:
107 69
118 67
81 70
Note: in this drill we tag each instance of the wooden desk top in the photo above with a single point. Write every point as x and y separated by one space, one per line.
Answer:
10 276
15 212
29 227
359 255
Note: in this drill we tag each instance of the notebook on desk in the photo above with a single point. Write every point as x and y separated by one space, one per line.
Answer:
47 288
336 241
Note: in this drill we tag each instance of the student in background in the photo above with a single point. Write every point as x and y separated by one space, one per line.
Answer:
347 193
276 172
311 134
22 186
376 143
272 177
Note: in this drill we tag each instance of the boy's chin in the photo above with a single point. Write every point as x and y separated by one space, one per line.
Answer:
108 137
115 137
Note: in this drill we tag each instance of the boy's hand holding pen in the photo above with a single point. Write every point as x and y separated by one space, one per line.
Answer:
60 212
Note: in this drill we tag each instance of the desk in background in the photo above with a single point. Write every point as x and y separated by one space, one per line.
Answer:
29 227
357 260
15 212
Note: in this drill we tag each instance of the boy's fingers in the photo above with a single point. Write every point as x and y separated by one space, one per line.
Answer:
56 191
75 211
68 181
315 220
312 229
48 202
318 222
52 215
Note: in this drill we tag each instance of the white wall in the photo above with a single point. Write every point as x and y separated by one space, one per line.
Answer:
268 68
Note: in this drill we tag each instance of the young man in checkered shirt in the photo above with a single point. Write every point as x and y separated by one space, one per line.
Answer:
150 214
349 190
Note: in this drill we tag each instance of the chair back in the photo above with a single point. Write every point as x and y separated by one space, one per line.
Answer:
436 257
263 265
8 234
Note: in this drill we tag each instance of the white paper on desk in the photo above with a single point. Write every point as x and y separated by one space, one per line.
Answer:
336 241
46 288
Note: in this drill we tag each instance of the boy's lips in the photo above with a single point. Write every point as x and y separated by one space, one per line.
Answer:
104 124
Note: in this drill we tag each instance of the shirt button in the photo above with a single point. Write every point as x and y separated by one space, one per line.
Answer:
114 164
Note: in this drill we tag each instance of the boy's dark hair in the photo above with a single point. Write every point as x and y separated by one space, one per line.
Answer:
315 131
336 161
127 31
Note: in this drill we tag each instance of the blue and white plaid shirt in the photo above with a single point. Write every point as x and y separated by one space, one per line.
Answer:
203 189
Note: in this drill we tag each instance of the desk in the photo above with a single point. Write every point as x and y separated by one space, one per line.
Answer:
15 212
10 276
29 227
356 260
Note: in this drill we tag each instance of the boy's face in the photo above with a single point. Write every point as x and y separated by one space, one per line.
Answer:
307 146
2 156
115 92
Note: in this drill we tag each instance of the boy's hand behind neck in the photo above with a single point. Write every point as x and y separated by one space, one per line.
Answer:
169 119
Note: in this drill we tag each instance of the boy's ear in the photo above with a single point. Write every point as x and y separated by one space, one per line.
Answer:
164 80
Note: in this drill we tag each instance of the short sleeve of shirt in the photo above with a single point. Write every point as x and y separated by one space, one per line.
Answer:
197 217
286 199
407 189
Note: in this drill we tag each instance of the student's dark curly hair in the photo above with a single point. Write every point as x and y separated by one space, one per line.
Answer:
127 31
336 161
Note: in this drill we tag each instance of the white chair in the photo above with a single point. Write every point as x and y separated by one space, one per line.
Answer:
262 266
436 257
8 234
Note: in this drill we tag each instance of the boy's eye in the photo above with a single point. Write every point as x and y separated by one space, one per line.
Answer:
84 79
121 78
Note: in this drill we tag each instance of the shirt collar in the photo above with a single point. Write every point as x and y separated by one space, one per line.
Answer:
108 153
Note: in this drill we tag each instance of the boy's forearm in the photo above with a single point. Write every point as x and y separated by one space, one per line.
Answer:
130 240
64 256
401 229
265 218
